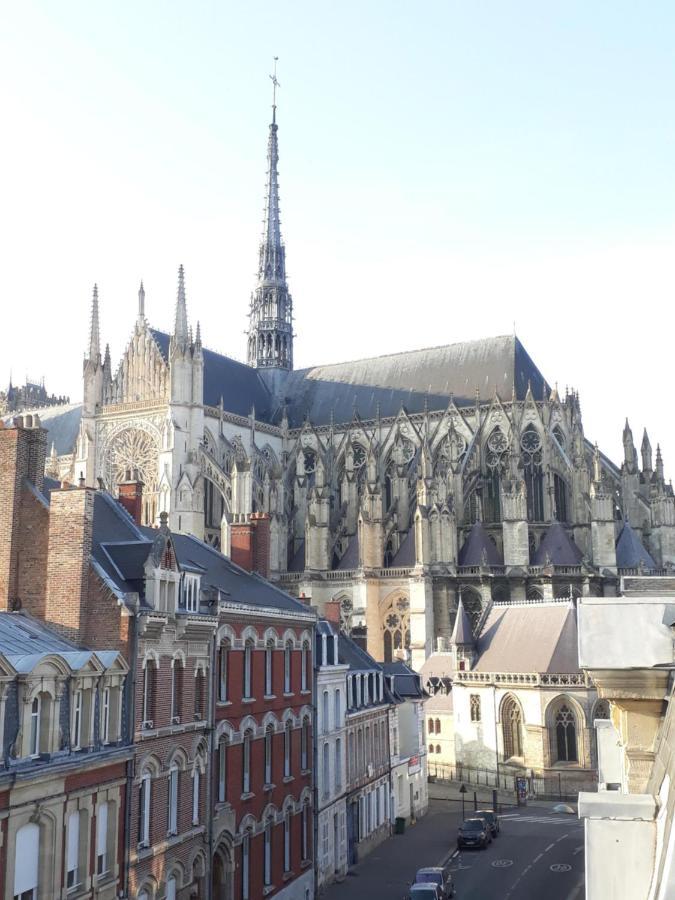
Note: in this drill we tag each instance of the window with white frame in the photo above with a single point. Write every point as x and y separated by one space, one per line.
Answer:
248 669
338 708
144 817
223 658
102 864
195 795
76 737
304 745
222 770
269 670
177 670
35 711
338 764
246 763
325 723
174 776
190 592
475 710
73 879
288 650
305 666
200 694
326 769
288 736
305 830
26 859
267 874
287 842
105 715
149 691
246 865
171 888
269 734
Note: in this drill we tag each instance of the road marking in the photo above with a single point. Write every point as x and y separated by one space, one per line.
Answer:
562 838
577 850
502 863
545 820
560 867
537 858
549 847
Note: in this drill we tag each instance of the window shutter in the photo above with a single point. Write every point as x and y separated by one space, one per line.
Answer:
26 859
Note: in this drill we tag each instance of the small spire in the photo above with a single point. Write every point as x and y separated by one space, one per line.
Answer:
106 358
141 302
275 85
659 464
198 335
94 332
646 451
180 331
53 451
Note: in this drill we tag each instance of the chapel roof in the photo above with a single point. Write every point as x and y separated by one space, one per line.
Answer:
479 548
529 637
630 551
558 548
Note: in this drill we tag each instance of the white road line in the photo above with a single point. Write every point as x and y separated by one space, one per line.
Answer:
549 847
562 838
578 850
537 858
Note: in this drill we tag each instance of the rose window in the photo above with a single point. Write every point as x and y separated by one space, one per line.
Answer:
359 455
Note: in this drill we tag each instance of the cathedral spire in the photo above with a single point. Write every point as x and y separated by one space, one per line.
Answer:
180 330
646 452
94 331
141 303
270 336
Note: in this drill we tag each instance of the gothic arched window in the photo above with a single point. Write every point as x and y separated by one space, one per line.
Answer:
565 735
396 627
512 728
495 459
560 498
530 445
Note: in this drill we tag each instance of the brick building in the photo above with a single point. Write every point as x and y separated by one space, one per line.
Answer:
217 788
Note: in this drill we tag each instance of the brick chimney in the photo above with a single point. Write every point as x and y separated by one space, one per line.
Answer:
131 495
23 515
71 521
250 543
331 612
261 543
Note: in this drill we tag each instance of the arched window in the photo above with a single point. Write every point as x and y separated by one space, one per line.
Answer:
246 865
222 770
304 745
288 741
246 762
601 710
495 459
73 874
305 666
171 887
248 669
267 867
530 445
102 856
196 783
26 859
338 708
200 694
269 671
223 659
438 726
560 498
35 711
269 736
431 748
288 650
338 764
396 627
565 735
174 776
438 748
145 800
177 670
512 728
326 769
149 691
287 841
431 726
325 724
475 707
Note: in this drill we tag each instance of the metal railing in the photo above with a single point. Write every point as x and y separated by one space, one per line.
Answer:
555 786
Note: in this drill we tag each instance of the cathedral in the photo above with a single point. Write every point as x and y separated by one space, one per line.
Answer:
390 487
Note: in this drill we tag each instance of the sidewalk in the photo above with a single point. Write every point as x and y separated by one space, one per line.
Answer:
449 791
389 869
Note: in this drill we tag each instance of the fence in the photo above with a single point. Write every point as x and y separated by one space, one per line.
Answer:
558 786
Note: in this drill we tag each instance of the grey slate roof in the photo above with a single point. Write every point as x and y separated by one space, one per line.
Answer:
558 547
404 683
350 558
61 422
119 547
405 555
436 671
25 641
354 656
409 379
533 637
630 551
462 633
477 541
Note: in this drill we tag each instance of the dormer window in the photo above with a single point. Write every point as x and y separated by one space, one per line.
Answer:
190 592
34 748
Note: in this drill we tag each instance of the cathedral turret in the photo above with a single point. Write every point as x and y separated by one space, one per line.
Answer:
94 332
141 304
92 370
646 452
270 335
629 451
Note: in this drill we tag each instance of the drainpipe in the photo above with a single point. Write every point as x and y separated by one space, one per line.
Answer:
315 763
210 727
131 727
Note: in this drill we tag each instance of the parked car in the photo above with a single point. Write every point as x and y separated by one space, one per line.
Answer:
473 833
427 891
491 818
437 875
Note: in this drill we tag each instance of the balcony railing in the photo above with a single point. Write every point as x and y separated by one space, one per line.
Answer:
526 679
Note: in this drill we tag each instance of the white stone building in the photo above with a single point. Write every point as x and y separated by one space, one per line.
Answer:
330 680
626 646
437 675
407 748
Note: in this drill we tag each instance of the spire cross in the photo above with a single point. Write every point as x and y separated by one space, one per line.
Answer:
275 85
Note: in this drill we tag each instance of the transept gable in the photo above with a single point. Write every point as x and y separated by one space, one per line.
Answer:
142 374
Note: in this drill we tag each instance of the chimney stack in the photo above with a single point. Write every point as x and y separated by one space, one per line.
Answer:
131 495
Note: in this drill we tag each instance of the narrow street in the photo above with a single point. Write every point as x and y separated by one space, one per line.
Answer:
539 854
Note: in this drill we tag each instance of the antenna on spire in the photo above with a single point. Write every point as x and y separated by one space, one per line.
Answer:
275 85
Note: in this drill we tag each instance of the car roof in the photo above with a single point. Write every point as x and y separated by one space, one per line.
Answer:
491 811
430 870
472 819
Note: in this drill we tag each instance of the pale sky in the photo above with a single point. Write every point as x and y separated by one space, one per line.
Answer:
447 170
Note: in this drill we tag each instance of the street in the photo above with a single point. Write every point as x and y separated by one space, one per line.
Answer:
539 854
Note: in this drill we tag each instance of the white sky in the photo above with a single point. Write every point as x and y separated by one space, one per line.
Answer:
447 169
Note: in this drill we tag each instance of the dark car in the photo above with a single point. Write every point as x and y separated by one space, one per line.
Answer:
439 876
473 833
427 891
491 818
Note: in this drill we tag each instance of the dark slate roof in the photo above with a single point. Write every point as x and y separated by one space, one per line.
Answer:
535 637
630 551
410 380
405 555
119 547
297 563
350 558
558 547
462 633
62 424
478 540
403 682
238 585
354 656
240 386
24 641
